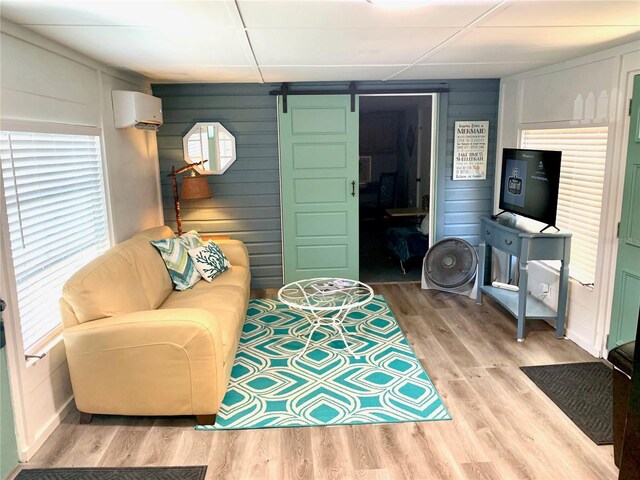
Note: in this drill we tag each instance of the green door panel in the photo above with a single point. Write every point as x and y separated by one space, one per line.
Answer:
626 294
325 257
321 224
318 165
330 155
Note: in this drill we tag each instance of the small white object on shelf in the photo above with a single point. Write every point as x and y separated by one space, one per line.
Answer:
506 286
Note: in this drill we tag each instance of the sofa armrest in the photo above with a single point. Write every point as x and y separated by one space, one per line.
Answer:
155 362
235 251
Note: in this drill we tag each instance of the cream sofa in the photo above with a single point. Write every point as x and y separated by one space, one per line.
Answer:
135 346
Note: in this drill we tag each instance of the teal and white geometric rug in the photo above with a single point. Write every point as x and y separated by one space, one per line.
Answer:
327 386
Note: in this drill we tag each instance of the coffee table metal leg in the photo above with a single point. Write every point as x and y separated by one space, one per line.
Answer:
336 322
353 354
314 327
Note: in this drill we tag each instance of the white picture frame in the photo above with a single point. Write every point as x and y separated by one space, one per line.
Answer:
470 150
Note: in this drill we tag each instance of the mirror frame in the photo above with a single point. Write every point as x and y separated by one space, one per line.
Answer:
195 129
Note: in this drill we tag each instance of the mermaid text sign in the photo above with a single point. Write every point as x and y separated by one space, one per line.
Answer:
470 150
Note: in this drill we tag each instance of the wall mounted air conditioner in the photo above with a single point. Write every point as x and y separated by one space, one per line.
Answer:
135 109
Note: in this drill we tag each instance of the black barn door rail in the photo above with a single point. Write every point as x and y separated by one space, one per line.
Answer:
353 90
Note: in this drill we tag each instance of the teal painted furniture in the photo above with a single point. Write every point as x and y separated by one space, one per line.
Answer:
527 246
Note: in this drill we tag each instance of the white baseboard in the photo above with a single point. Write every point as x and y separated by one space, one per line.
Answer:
46 431
582 343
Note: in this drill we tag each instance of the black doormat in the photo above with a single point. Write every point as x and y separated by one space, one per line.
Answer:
583 391
143 473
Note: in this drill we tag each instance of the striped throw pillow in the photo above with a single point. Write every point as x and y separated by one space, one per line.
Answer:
175 253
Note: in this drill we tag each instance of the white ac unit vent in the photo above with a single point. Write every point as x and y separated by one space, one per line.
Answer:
136 109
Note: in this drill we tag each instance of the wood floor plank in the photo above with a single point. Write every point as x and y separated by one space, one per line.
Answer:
363 450
480 471
127 443
503 426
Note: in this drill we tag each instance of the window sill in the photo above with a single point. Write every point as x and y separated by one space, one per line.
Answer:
551 268
44 349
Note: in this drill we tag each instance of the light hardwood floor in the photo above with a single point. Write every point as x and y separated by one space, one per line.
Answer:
503 427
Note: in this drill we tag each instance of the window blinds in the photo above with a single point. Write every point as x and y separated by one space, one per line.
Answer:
55 200
584 152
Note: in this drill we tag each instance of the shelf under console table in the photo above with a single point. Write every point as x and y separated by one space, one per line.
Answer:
526 246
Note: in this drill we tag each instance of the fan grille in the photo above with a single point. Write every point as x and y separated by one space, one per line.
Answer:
451 263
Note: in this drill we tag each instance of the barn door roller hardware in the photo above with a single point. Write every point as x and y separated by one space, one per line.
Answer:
353 90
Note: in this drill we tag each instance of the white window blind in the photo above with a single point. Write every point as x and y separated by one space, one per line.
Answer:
584 152
55 200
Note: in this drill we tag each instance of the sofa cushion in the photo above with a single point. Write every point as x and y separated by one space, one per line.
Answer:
226 302
175 253
105 287
151 272
235 276
111 284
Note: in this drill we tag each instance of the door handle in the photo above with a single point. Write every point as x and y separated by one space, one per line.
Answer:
353 188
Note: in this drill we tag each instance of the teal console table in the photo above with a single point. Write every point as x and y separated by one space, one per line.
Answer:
507 237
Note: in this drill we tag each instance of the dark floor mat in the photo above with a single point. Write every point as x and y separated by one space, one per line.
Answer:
144 473
583 391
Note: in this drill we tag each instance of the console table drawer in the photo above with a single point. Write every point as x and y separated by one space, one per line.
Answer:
505 241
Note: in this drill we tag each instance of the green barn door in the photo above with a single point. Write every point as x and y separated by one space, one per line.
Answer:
319 186
626 294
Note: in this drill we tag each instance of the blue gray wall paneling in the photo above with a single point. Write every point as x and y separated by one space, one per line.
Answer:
246 199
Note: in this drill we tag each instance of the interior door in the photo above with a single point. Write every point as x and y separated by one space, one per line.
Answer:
319 186
8 442
626 294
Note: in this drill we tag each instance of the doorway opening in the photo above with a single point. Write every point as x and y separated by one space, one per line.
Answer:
397 161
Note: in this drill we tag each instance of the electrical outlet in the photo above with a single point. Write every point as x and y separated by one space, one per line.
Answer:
544 288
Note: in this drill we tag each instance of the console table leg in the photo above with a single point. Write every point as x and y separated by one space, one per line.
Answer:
522 298
480 273
562 299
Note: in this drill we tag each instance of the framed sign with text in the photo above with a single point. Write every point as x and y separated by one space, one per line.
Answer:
470 150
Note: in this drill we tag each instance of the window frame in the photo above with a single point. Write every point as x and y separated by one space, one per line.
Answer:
54 338
554 265
608 195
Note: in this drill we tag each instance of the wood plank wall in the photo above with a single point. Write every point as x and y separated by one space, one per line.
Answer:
246 199
466 200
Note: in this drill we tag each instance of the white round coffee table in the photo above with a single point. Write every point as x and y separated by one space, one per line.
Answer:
325 301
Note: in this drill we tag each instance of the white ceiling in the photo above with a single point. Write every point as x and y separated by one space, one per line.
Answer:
313 40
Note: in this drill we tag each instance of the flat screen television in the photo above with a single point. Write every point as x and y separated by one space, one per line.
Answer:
529 184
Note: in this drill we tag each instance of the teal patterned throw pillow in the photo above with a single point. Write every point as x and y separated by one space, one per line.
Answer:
175 253
209 260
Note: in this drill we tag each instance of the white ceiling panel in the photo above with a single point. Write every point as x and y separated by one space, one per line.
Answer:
324 73
135 46
533 44
139 13
202 74
359 13
315 40
465 70
353 46
566 13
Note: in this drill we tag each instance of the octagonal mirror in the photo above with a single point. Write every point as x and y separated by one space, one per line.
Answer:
210 144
